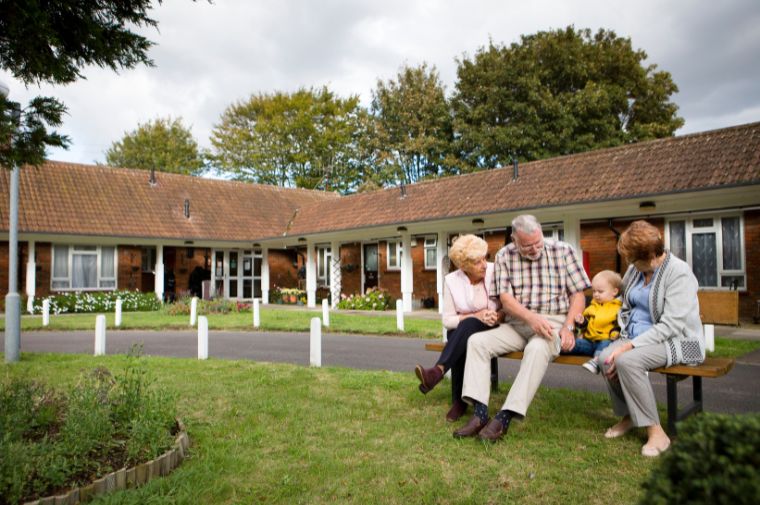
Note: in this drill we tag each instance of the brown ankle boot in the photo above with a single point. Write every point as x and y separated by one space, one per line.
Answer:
428 377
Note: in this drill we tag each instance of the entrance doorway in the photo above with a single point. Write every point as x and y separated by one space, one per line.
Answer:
370 266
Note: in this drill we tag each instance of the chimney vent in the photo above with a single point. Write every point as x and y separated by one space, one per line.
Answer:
515 170
187 208
152 180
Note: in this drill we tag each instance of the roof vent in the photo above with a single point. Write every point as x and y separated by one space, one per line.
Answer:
152 181
403 189
187 208
515 171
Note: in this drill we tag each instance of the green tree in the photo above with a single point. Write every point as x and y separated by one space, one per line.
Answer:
558 92
414 125
164 144
51 42
307 139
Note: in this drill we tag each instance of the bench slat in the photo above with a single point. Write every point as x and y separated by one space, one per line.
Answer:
712 367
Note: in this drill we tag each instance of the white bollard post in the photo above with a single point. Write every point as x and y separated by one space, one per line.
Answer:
46 312
710 338
202 337
193 310
325 313
117 315
256 313
100 335
315 343
400 315
30 305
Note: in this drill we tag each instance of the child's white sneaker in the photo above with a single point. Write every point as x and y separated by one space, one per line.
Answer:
591 366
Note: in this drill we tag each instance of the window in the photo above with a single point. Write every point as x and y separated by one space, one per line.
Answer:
430 252
394 255
554 233
712 246
83 267
148 259
324 256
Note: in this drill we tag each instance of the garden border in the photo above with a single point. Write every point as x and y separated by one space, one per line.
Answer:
126 478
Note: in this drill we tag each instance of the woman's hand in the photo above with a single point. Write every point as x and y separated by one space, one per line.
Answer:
610 361
488 317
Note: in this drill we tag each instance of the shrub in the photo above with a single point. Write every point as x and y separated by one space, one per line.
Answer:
715 460
80 302
181 307
51 440
373 299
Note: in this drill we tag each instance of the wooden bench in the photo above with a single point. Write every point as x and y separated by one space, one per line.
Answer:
711 368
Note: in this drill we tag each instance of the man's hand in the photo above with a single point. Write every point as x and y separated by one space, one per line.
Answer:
541 326
568 339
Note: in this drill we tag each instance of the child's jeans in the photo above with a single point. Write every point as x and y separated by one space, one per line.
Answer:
585 347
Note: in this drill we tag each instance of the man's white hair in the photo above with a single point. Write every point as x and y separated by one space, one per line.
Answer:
525 223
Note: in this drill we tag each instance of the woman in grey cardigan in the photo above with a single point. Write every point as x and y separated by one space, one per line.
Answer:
660 326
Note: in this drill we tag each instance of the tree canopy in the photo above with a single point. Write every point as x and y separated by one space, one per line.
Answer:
307 139
51 42
555 93
414 129
164 144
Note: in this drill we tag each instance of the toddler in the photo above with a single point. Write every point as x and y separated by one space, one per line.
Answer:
599 320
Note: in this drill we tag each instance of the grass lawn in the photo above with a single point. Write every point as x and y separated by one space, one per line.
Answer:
271 433
274 319
271 319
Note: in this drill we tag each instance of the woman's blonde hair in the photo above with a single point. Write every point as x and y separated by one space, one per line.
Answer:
467 249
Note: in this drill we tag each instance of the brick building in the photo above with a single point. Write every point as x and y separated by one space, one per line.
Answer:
99 228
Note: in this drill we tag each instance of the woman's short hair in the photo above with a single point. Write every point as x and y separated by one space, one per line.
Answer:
467 249
641 241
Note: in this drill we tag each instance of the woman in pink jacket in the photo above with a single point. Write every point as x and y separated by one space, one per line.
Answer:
468 307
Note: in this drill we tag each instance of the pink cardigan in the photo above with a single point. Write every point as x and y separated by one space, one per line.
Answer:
461 297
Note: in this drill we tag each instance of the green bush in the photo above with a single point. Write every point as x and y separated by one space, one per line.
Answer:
373 299
51 440
181 307
715 460
80 302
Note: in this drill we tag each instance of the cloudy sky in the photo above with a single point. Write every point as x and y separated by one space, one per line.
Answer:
211 55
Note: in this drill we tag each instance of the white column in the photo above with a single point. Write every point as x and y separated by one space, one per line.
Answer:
159 288
31 271
315 342
406 271
441 249
100 335
311 276
265 276
572 229
335 274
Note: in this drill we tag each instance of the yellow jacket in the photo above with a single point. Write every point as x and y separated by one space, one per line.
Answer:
601 320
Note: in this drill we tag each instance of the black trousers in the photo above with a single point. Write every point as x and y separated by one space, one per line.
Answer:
454 353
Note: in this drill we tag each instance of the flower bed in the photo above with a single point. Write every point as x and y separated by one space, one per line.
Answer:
373 299
81 302
54 440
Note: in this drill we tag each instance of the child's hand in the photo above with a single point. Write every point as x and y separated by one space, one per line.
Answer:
579 319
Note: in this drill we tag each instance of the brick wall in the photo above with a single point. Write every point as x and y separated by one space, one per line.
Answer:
282 273
599 243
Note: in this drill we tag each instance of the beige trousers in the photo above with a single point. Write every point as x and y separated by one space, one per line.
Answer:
510 337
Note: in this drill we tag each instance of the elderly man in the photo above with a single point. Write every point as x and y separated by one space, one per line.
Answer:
540 283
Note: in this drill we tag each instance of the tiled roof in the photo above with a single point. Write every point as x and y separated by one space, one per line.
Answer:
94 200
719 158
65 198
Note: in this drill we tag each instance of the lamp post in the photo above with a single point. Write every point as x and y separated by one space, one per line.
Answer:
12 299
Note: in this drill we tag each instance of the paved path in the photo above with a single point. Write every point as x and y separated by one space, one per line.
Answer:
734 393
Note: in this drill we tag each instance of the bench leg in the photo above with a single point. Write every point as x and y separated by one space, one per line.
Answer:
494 374
696 406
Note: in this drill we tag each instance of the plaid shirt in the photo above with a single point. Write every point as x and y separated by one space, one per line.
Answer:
543 285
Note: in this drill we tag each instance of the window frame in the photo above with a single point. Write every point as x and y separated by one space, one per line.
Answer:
430 242
717 229
72 250
399 251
